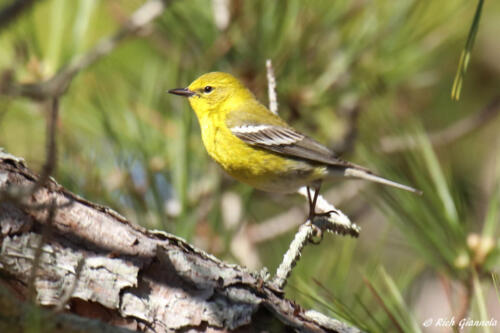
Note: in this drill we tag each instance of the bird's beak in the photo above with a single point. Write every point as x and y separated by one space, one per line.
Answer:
182 92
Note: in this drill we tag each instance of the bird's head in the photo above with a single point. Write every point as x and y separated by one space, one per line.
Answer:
214 92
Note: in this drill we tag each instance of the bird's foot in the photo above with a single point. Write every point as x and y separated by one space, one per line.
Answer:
317 232
325 214
317 235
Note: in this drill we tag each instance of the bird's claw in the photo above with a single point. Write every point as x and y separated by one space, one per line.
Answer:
317 233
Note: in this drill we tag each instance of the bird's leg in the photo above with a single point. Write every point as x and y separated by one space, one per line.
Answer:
311 209
309 195
312 212
312 201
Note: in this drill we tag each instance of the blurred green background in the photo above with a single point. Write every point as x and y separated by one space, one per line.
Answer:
360 76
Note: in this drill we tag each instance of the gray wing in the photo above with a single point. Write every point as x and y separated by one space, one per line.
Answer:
288 142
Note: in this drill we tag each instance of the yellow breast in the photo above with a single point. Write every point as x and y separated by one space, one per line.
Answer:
257 167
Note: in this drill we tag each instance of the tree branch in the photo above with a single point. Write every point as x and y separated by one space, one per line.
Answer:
130 277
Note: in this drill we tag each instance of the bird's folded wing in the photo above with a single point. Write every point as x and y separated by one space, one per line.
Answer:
286 141
261 128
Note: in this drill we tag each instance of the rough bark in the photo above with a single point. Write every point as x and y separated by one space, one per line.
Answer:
96 264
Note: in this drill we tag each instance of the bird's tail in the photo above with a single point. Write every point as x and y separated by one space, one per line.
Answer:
365 174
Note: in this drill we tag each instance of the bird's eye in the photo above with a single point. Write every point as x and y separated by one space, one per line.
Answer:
207 89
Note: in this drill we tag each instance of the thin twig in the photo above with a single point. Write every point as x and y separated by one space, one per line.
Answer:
292 255
335 222
466 300
445 281
51 147
59 83
271 87
448 135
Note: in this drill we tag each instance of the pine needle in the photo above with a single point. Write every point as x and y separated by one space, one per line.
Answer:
466 53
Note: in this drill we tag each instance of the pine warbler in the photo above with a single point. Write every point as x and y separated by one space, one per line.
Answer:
257 147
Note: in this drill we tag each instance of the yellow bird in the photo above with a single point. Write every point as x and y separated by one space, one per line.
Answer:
257 147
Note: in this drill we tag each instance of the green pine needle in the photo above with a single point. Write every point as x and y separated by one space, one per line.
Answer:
496 283
466 53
